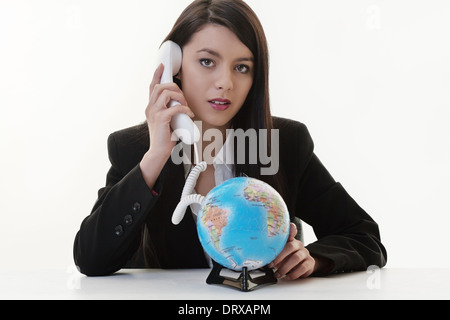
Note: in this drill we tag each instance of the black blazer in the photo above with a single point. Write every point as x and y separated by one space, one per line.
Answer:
109 238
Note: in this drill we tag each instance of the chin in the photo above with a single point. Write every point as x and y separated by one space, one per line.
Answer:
215 121
217 125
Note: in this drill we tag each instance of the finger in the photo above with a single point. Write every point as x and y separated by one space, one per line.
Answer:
303 270
283 254
292 262
157 77
289 248
162 95
179 109
170 94
292 232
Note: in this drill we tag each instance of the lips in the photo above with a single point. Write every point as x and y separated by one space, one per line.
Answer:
220 104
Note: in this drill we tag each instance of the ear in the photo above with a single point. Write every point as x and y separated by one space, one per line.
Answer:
178 76
177 79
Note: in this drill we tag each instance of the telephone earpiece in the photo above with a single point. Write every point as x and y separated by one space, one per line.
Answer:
170 56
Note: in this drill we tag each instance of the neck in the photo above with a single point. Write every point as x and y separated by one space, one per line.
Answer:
215 139
223 130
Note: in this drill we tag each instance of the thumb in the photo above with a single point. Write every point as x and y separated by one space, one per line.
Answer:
292 232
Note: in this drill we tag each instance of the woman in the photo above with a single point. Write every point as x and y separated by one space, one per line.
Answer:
223 84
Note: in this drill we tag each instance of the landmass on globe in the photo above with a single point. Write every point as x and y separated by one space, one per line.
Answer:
256 192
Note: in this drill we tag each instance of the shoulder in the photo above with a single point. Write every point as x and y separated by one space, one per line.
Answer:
127 146
293 133
295 148
289 125
137 133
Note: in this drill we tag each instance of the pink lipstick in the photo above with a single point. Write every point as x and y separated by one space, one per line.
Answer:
220 104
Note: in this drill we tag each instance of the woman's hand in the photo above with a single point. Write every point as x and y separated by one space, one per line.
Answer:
295 261
158 116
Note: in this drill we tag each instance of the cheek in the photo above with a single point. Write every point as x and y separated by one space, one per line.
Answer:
193 97
192 84
244 89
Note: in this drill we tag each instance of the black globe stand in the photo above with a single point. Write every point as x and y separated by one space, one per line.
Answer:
245 282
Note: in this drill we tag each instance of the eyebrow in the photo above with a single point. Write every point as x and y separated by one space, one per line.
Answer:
218 55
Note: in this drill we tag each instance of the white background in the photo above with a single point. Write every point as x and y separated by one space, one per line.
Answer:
370 79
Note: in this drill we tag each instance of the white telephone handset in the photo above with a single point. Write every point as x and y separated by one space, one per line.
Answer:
170 56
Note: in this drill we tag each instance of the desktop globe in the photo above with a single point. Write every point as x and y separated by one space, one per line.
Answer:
243 223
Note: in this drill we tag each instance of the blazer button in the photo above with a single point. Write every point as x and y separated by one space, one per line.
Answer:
128 219
136 207
118 230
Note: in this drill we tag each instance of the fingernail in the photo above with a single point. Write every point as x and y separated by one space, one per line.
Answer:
277 275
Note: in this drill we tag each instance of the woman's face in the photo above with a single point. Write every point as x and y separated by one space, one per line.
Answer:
216 75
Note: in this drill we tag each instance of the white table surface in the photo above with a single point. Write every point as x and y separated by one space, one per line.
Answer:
384 284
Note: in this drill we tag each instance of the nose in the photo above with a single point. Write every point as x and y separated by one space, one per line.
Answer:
224 80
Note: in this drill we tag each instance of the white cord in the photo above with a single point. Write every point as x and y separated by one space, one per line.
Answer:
187 198
196 155
191 181
180 210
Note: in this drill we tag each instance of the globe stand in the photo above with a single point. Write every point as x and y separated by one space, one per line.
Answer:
244 282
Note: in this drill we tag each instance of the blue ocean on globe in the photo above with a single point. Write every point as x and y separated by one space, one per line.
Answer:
243 222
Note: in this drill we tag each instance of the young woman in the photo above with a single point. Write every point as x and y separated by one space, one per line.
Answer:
223 84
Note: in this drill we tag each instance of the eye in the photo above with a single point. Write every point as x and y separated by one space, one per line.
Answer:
242 68
207 63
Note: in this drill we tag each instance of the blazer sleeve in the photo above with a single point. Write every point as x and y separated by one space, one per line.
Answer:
111 234
346 234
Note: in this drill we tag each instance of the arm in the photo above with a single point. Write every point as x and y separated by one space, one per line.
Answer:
346 234
111 234
348 238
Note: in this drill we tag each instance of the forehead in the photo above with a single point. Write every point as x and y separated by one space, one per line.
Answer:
220 39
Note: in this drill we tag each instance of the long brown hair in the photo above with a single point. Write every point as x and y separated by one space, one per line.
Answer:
238 17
